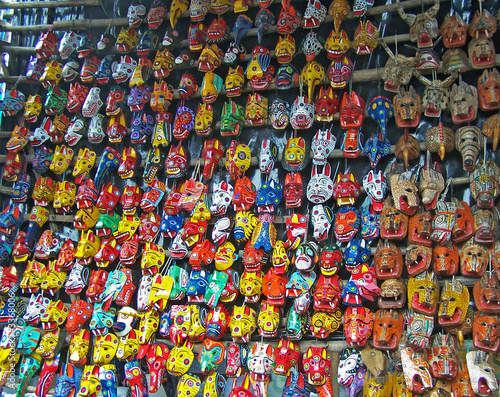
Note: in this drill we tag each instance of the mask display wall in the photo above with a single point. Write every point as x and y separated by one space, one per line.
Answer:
170 182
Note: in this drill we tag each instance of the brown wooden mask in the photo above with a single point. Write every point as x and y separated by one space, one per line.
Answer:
464 102
387 330
487 293
445 259
418 258
489 90
454 31
388 260
469 142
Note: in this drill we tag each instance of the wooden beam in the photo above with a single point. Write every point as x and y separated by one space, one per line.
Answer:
47 4
86 23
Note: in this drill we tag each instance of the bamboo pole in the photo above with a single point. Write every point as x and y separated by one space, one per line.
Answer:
47 4
86 23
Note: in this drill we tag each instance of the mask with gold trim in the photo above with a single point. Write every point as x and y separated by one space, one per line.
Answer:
234 82
243 323
79 347
285 49
453 304
52 74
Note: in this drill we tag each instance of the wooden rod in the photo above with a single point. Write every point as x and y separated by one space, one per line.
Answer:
85 23
47 4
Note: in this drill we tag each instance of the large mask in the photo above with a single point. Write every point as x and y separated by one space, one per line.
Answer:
485 332
347 223
419 329
423 293
443 357
454 31
349 364
377 386
469 142
482 378
423 27
454 301
445 260
416 370
388 260
317 365
463 103
474 259
211 354
286 354
243 323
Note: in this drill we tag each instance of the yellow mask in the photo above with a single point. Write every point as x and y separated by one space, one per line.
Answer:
85 161
87 246
48 343
225 256
128 346
203 120
79 347
7 362
235 80
63 156
32 108
105 348
285 49
373 388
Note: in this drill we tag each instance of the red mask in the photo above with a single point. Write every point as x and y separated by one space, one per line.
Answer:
244 194
130 199
388 329
79 313
253 258
317 364
177 161
464 222
443 356
108 198
96 286
131 160
294 190
327 295
286 356
326 104
347 189
358 325
420 228
445 259
171 206
489 90
274 287
76 97
461 386
129 251
213 151
487 293
156 359
202 254
87 194
352 111
125 295
66 256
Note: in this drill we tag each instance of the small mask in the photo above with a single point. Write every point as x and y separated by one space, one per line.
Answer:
293 190
340 72
469 143
365 38
232 119
234 81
